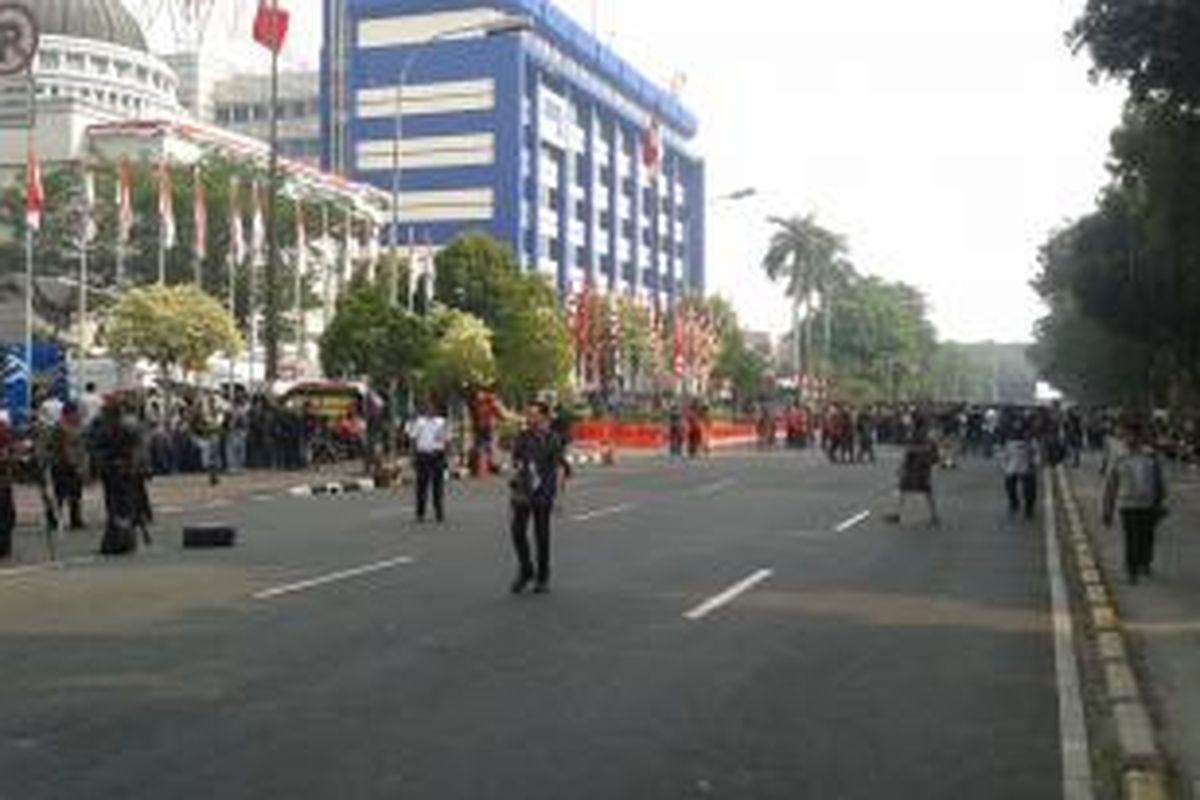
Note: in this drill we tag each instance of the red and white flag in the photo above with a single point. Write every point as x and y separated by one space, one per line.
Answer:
677 324
301 240
124 202
237 231
87 223
652 149
166 208
271 25
199 215
258 229
35 199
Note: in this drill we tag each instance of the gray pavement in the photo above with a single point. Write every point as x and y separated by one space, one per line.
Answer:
342 650
1161 615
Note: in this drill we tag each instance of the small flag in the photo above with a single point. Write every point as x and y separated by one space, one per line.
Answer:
301 240
271 25
88 224
35 200
258 229
166 208
677 351
237 232
199 215
652 149
124 202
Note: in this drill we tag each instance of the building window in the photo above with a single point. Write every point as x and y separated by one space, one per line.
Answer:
605 220
627 229
581 258
552 199
49 59
299 109
627 187
555 249
646 237
581 211
241 114
223 115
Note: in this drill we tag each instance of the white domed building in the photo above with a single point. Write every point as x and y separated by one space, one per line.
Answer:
93 67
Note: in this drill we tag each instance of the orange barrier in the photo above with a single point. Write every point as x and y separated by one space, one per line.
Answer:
651 436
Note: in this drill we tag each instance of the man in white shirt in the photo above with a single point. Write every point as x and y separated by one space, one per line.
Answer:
428 433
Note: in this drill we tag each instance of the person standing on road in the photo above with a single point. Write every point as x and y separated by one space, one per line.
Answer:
539 464
916 473
428 434
8 468
1020 470
69 465
1137 488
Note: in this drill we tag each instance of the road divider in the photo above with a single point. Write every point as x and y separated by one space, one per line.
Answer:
728 596
333 577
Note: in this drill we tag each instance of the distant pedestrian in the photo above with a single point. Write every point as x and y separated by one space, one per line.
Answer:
1137 488
8 469
69 465
1020 471
916 473
539 466
428 434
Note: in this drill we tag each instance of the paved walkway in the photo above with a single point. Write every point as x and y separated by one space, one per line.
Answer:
169 494
1162 614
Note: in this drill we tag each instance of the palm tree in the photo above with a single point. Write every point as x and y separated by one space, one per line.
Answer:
812 261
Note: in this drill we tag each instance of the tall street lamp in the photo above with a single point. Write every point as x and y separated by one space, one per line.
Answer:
497 27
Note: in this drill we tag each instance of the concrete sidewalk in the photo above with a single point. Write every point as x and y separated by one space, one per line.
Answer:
1160 615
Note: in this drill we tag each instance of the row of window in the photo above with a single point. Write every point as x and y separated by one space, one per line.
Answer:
109 98
553 199
102 65
260 112
551 247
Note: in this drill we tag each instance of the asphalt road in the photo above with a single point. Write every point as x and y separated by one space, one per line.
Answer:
711 633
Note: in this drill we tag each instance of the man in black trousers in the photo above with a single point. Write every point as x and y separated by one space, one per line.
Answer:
428 436
539 464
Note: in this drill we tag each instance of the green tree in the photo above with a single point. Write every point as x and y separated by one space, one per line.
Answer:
372 338
811 259
1151 44
461 358
172 327
480 276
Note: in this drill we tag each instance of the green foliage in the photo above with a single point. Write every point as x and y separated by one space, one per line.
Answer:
1149 43
373 339
461 358
533 351
171 326
480 276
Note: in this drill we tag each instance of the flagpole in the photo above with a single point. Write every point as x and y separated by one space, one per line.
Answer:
29 318
272 311
83 281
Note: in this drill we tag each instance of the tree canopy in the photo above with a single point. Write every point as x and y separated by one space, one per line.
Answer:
171 326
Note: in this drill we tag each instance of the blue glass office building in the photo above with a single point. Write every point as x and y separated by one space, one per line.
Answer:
534 137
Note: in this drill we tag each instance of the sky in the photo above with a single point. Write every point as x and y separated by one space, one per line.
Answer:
945 139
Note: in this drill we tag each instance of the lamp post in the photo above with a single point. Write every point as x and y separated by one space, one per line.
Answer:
497 27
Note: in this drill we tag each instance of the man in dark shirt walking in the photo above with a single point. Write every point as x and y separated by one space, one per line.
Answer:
539 463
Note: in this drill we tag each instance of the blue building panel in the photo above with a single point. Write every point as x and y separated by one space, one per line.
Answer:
561 105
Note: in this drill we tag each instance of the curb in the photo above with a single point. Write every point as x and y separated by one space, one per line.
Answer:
1142 766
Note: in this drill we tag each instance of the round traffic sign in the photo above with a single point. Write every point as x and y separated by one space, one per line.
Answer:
18 37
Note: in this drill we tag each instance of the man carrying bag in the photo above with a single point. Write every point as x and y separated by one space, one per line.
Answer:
539 464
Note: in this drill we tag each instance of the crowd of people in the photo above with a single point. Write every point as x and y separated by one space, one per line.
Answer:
125 439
